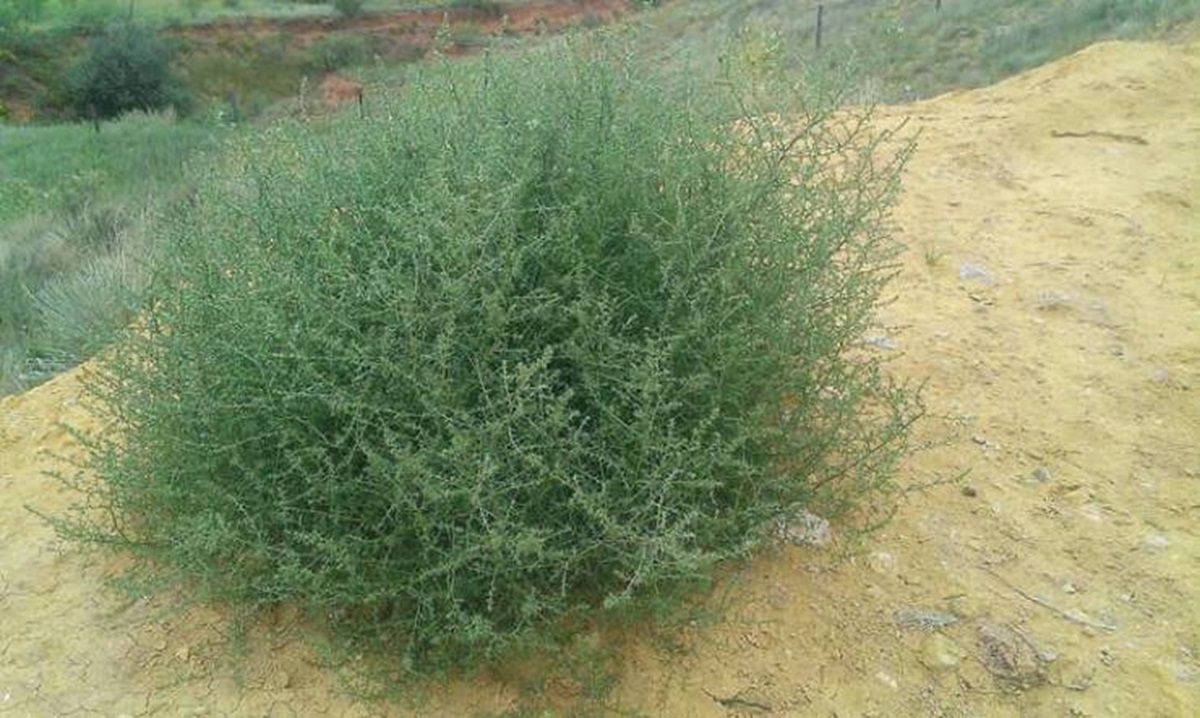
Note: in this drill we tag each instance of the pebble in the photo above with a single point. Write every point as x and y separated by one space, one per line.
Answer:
1041 475
882 561
969 491
970 272
887 680
807 529
882 342
1157 541
924 618
940 653
1008 656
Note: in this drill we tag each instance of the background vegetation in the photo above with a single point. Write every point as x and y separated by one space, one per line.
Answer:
72 205
903 49
85 14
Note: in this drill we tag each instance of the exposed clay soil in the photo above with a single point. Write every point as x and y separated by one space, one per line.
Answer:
1051 299
417 28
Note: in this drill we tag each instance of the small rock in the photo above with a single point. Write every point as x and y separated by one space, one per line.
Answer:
924 618
882 561
886 679
970 272
807 529
982 441
1156 542
881 342
183 654
969 491
940 653
1051 300
1008 656
1041 475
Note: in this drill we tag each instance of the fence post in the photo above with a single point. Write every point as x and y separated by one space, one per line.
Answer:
820 22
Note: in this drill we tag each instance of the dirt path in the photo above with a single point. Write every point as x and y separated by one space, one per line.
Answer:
1051 299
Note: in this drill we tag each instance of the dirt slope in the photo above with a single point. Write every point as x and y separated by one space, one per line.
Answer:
1051 299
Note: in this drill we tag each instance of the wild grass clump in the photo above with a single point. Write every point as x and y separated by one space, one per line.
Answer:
540 339
73 206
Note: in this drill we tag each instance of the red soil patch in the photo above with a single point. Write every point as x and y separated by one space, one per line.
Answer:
405 36
336 90
410 28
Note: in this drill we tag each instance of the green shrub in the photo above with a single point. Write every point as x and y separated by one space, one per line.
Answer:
126 68
545 338
348 8
338 50
491 8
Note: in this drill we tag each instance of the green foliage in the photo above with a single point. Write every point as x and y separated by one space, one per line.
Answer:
340 49
484 7
48 169
905 48
348 8
14 13
66 286
126 68
541 339
33 66
69 234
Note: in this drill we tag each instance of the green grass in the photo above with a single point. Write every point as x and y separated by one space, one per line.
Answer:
93 13
903 49
72 205
43 168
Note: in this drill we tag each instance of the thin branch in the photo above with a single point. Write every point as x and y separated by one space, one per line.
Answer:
1065 615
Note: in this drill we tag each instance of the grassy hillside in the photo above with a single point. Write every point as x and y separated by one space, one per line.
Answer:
73 203
905 49
47 14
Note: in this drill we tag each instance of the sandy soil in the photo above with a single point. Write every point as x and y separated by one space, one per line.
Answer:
1052 301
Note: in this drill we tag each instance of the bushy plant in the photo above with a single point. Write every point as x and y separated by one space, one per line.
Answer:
492 8
125 68
338 50
348 8
546 337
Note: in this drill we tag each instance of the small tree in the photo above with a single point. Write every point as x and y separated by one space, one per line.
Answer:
126 68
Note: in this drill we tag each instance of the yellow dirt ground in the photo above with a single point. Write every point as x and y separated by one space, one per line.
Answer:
1051 298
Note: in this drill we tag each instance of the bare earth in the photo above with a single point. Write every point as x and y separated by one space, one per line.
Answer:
1051 298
